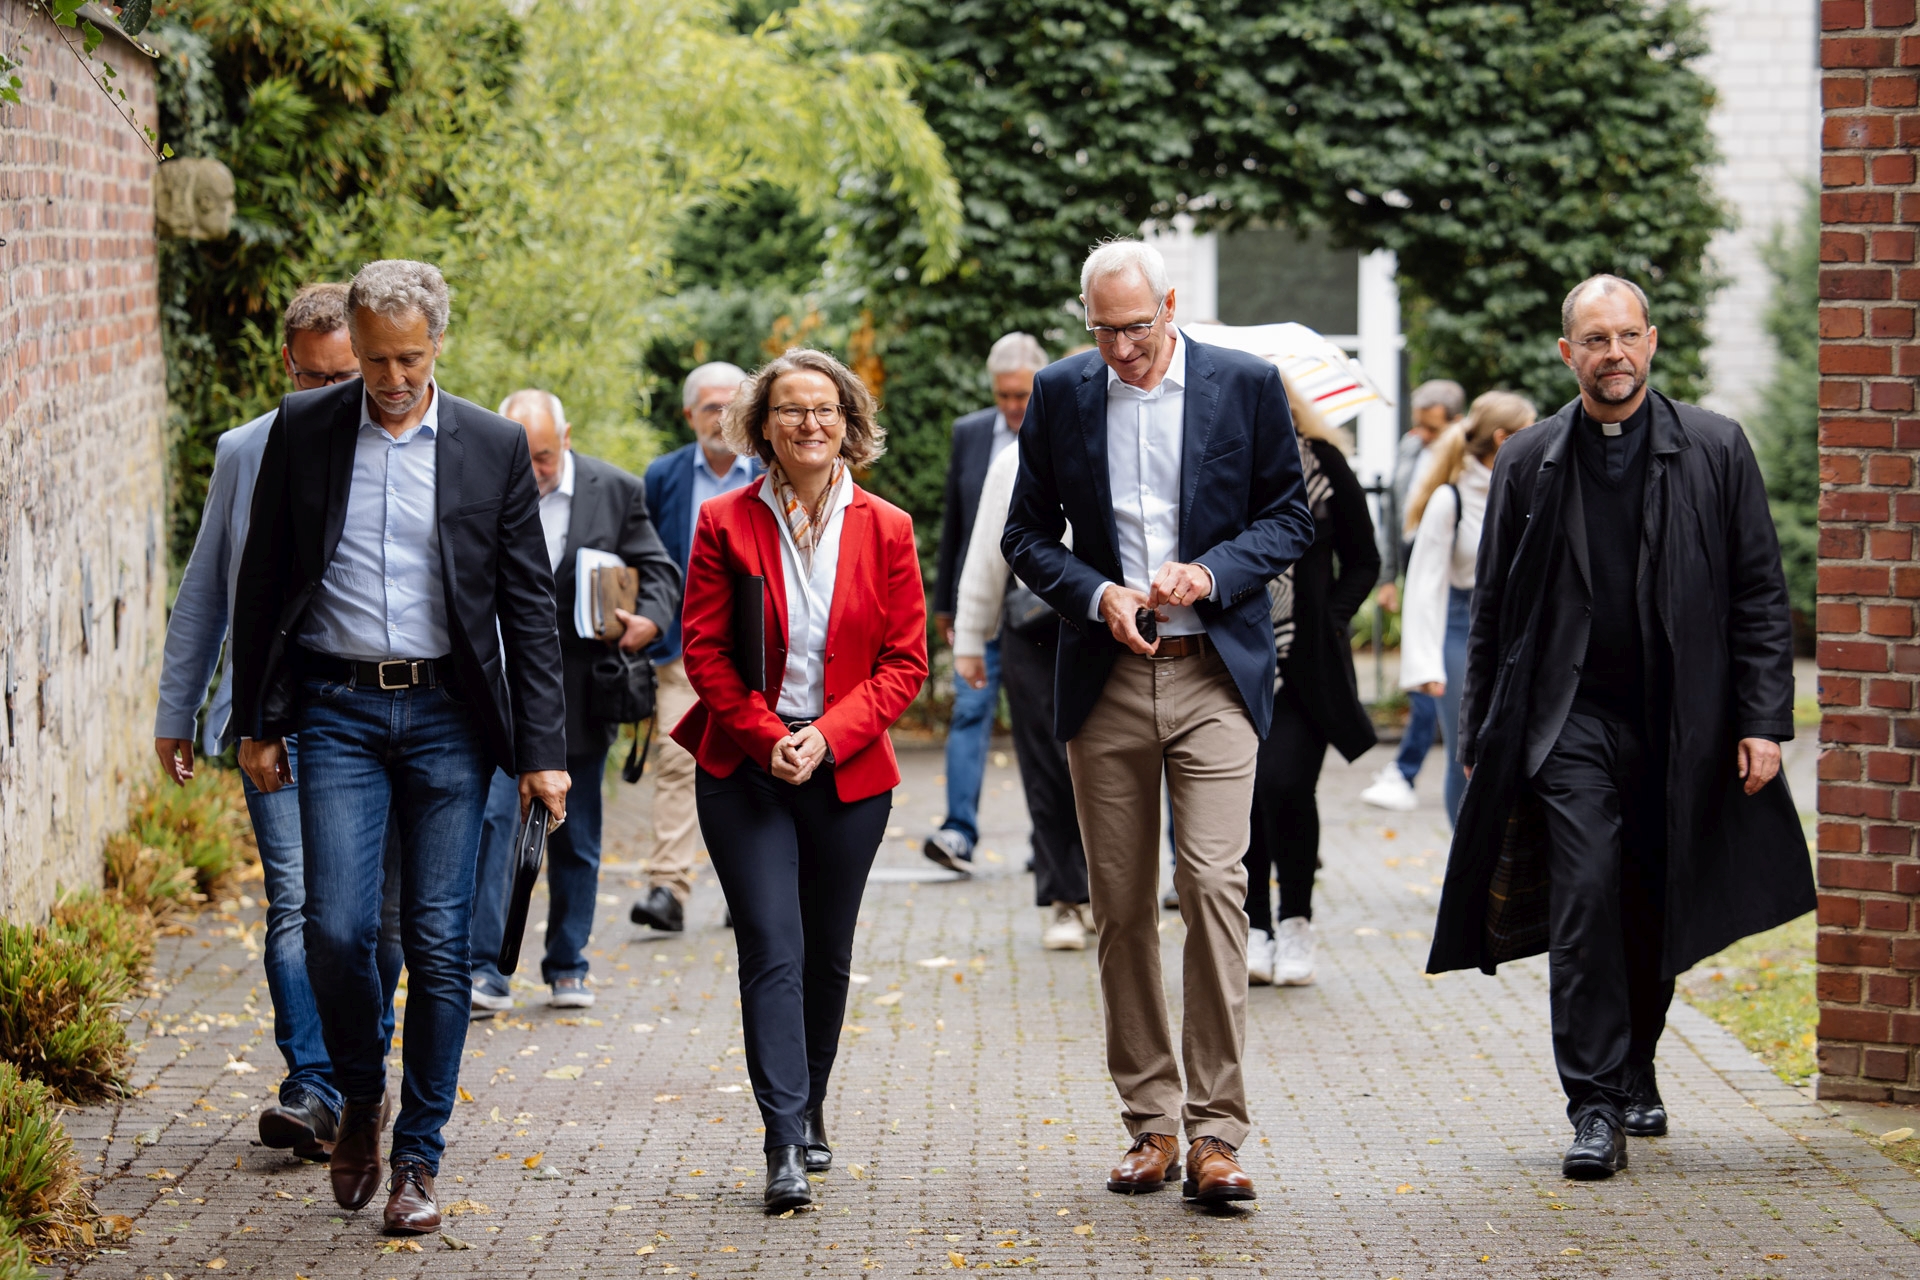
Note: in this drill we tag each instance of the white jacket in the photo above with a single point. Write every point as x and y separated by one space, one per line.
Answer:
984 573
1431 570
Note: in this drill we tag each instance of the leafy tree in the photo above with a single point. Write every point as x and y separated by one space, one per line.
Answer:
1503 150
1787 427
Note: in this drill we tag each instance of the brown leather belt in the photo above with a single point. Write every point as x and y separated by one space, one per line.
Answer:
1172 647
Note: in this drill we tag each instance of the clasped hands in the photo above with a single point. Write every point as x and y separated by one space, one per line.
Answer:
797 755
1173 584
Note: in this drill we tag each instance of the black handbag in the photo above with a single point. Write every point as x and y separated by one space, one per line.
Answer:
1025 613
529 849
621 685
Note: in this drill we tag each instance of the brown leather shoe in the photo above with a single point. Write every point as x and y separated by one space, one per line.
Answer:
1150 1163
355 1166
1214 1176
410 1209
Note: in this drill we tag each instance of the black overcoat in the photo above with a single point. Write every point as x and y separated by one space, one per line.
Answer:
1319 667
1714 602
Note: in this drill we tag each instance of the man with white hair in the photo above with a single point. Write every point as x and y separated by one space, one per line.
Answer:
978 439
677 483
1176 465
395 609
585 504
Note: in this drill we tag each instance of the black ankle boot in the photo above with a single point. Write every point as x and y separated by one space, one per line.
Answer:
1646 1114
787 1185
819 1153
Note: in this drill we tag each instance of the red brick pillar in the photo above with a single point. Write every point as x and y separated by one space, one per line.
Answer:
1869 946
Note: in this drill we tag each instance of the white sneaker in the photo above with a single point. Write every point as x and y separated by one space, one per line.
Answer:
1064 930
486 1004
1259 958
1391 790
1293 953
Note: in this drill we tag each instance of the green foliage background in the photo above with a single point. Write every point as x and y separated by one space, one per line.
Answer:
1786 429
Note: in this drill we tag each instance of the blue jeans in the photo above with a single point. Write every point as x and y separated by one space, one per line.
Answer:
1423 714
414 757
296 1022
573 875
1454 655
967 736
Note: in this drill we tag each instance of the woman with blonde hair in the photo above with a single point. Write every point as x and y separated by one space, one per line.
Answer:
1446 508
1315 701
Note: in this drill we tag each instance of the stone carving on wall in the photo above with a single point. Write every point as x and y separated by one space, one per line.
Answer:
193 200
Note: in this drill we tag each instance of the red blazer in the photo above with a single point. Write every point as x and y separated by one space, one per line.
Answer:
876 639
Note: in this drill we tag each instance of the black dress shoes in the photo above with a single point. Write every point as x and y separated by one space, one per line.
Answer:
301 1122
1646 1114
660 910
787 1185
1599 1150
819 1153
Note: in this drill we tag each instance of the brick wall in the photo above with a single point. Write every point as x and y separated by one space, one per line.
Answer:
1869 945
83 573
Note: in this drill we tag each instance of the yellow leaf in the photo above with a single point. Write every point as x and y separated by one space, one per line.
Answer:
1403 1188
215 1264
890 998
464 1095
1897 1135
572 1071
1084 1229
643 1251
1774 1257
1570 1253
727 1248
533 1161
957 1260
666 1097
858 1171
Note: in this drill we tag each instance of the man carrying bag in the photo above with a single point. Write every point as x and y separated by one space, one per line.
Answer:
592 507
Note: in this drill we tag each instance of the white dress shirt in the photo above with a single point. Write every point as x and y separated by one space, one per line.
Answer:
556 513
382 595
809 604
1445 549
1146 439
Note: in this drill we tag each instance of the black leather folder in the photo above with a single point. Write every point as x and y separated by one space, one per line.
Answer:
750 629
529 851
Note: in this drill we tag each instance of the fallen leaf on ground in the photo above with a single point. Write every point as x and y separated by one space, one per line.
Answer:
215 1264
533 1161
572 1071
728 1088
937 962
957 1260
400 1246
858 1171
643 1027
464 1095
1570 1253
147 1137
643 1251
452 1241
1897 1135
1084 1229
1403 1188
240 1068
666 1097
891 997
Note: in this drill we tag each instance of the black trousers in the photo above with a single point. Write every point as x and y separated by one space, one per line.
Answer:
1285 840
1604 797
1059 859
793 864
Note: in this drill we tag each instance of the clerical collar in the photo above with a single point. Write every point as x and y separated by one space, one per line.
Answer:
1633 422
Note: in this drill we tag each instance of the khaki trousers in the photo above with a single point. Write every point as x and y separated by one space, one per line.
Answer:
676 827
1184 718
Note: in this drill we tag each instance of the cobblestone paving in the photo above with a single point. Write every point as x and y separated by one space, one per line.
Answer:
1404 1126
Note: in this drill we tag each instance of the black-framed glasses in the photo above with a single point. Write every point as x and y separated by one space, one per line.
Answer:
1106 334
792 415
1597 343
308 380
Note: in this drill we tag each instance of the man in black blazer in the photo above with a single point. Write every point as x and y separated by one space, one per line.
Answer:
1176 465
395 609
590 504
978 439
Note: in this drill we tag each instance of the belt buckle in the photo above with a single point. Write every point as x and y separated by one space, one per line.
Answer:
408 675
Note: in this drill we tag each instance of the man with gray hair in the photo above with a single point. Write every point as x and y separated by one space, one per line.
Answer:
677 484
1176 465
978 439
395 608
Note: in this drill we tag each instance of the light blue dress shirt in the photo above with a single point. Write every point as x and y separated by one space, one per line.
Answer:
382 594
708 485
198 625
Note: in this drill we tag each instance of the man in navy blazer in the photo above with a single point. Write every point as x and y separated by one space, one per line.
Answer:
677 483
1177 468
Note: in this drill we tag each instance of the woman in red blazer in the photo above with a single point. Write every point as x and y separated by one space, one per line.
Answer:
795 781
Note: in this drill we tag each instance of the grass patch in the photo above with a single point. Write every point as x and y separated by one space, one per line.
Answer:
60 1021
202 826
121 933
1761 989
43 1204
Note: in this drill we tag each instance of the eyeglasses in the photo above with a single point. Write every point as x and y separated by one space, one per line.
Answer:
1627 338
792 415
1105 334
308 380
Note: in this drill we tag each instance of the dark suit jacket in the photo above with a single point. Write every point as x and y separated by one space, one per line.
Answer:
669 484
493 558
966 474
609 514
1243 514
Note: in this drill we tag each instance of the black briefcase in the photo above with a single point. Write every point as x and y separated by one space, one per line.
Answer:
529 851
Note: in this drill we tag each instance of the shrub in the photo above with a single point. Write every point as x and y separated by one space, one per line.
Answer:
123 933
148 879
59 1011
43 1203
203 823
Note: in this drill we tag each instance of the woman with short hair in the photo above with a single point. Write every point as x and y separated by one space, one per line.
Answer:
795 769
1445 509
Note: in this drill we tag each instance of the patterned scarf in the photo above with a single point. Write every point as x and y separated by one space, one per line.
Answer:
1280 589
804 523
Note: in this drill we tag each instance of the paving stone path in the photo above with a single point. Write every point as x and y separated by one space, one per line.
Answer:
1403 1126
